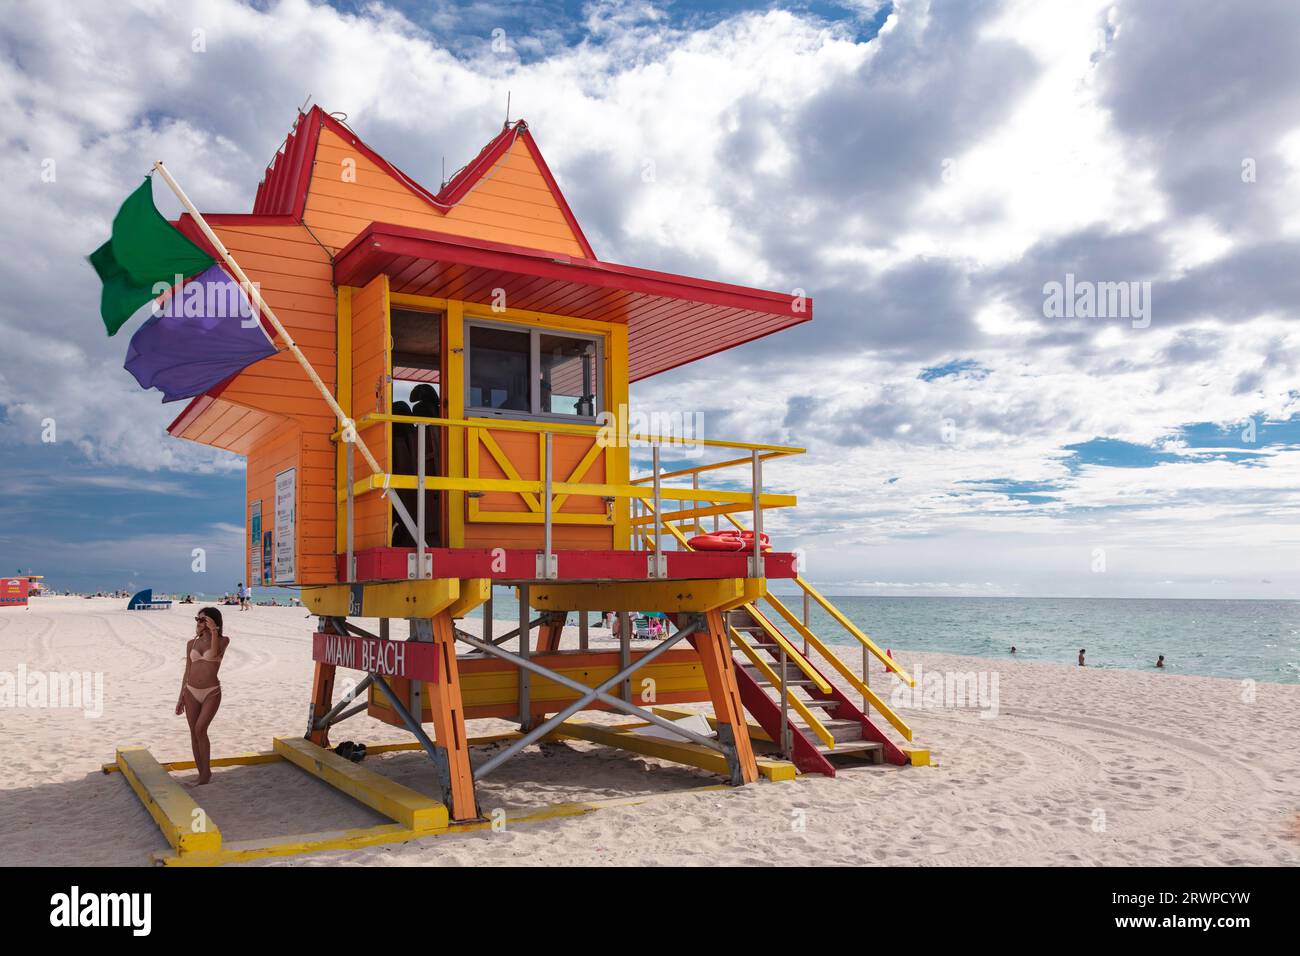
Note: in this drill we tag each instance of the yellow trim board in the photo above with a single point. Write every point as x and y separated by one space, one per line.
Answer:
668 596
270 756
422 598
473 592
184 824
412 810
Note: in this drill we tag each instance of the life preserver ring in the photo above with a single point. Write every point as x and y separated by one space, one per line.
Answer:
728 541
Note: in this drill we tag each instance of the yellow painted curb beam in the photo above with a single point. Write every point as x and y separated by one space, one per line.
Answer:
270 756
411 809
670 597
246 850
184 824
916 756
621 737
239 760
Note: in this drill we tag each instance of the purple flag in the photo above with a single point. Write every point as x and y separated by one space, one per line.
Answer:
203 334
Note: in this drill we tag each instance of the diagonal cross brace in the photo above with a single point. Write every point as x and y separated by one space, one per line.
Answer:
588 694
441 766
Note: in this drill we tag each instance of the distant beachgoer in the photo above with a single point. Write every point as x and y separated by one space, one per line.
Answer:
1013 648
1082 651
200 689
244 596
1160 661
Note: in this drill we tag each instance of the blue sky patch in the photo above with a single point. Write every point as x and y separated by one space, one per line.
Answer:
537 28
1030 492
955 367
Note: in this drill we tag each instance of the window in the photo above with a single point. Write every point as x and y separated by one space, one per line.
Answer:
526 373
568 375
498 369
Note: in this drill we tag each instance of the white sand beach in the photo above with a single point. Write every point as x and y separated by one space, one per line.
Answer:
1078 767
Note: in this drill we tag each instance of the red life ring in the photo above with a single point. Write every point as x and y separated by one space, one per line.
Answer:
728 541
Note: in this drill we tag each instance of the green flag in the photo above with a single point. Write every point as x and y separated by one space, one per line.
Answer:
145 249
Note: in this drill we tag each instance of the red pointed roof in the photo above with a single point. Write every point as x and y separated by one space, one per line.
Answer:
283 190
672 320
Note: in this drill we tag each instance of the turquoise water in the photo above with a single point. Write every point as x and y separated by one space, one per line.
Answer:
1238 639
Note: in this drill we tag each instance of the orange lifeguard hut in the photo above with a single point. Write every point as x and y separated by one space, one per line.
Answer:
483 354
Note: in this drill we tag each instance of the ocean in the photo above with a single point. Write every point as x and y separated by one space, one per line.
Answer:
1238 639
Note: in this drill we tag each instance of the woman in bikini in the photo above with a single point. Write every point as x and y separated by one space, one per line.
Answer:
200 690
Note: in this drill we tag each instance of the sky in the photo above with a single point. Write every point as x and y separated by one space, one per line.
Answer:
1052 249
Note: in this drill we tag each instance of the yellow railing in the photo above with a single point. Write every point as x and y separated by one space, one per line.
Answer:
868 695
839 618
544 495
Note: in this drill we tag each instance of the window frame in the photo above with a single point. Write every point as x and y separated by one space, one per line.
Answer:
534 333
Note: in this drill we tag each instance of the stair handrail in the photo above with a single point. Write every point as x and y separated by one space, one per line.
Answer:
845 671
798 705
816 643
844 622
805 666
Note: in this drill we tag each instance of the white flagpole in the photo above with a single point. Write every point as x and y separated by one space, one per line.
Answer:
346 424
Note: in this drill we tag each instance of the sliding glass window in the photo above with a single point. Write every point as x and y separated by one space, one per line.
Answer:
518 372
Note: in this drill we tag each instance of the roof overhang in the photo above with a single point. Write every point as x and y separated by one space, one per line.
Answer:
671 319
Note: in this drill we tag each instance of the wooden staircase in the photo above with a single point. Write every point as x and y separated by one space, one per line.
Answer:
822 721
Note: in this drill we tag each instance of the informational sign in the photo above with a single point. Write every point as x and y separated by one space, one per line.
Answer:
374 655
266 557
286 484
255 541
13 592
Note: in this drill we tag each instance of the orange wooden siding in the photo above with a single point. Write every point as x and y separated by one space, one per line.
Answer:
511 204
524 452
270 458
271 412
371 392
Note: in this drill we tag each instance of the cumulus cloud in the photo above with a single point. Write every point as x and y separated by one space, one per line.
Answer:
921 168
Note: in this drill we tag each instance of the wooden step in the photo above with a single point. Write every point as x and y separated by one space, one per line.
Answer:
827 704
843 731
873 750
793 677
789 682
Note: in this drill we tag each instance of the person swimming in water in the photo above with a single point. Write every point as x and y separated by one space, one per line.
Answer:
1160 661
200 690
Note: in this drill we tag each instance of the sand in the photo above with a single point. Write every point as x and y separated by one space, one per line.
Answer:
1079 766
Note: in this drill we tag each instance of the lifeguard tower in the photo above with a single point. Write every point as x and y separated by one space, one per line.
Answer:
482 313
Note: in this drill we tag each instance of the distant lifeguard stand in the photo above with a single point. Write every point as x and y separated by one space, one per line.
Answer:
483 308
145 601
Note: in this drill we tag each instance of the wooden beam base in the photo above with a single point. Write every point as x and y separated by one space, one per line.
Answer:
184 824
413 810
